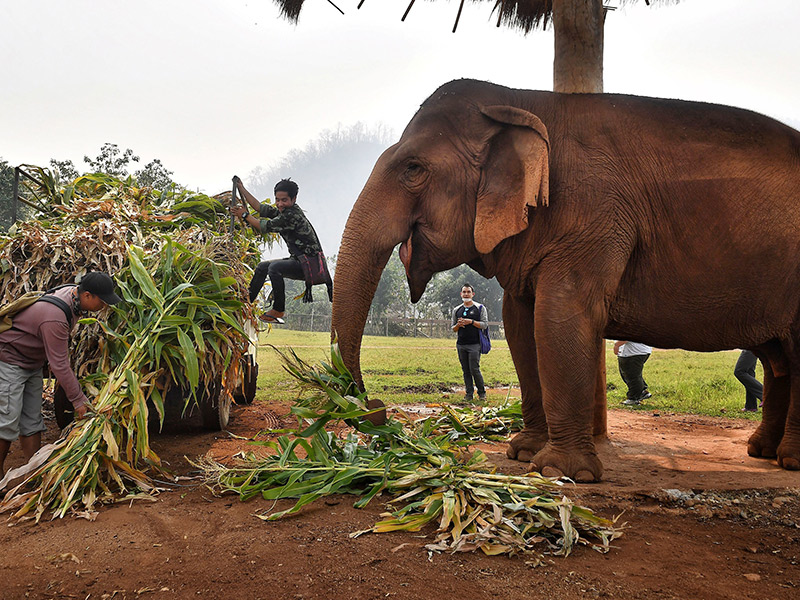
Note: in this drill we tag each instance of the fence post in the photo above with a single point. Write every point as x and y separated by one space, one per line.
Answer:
14 194
312 317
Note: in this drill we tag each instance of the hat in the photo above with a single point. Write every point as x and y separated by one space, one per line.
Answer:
101 285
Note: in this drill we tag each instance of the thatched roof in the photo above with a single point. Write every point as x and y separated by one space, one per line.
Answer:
526 15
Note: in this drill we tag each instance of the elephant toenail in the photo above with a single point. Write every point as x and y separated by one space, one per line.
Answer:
585 477
525 456
790 464
551 472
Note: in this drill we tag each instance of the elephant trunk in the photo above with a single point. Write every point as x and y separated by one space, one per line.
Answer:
367 244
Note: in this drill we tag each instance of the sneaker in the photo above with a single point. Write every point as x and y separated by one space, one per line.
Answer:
645 395
749 410
482 397
631 402
468 398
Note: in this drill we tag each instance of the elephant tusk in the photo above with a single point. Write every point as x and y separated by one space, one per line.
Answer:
405 255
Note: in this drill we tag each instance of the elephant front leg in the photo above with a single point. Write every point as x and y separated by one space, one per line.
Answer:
568 355
518 316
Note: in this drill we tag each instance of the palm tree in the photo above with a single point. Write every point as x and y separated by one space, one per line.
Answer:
578 27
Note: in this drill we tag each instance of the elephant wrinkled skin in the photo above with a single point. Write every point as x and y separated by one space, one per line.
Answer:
672 223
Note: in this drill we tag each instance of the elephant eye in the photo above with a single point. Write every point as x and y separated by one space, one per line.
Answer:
414 173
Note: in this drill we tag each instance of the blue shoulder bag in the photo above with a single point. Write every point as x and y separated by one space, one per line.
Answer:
486 343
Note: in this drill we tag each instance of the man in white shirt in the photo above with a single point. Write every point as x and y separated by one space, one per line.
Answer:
631 357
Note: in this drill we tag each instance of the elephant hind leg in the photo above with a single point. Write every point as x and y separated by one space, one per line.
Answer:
788 453
781 417
766 438
789 449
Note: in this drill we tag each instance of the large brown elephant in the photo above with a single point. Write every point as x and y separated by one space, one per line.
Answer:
667 222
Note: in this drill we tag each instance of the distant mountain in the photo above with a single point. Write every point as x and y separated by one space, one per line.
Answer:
331 172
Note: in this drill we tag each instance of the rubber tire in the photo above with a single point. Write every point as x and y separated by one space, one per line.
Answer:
247 391
62 407
215 409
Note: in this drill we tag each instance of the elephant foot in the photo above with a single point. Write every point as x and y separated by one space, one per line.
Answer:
582 466
377 417
764 442
524 446
789 454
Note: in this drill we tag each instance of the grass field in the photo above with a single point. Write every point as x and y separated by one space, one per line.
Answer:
420 370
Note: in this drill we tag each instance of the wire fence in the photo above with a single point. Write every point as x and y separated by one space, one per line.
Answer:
388 326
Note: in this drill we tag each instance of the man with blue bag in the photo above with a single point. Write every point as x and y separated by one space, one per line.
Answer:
470 320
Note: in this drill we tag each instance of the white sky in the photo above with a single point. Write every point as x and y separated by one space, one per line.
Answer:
217 87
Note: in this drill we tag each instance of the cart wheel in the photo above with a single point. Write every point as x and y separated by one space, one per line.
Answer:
247 391
62 407
215 408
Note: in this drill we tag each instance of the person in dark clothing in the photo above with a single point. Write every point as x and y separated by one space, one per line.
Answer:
745 372
631 357
41 332
468 319
287 219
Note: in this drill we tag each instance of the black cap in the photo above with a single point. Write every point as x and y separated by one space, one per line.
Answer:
101 285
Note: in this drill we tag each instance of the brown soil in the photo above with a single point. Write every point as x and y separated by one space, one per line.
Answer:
704 521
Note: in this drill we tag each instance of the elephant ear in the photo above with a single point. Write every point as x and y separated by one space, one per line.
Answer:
515 175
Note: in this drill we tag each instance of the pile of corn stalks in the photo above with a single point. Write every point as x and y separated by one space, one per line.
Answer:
433 479
183 280
476 424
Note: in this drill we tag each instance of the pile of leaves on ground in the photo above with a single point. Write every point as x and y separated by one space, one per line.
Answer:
474 423
433 479
181 326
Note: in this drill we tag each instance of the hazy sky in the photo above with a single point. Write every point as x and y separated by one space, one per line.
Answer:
217 87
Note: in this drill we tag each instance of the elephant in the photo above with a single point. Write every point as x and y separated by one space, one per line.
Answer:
667 222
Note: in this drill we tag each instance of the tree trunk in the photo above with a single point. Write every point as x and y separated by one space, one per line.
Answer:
578 63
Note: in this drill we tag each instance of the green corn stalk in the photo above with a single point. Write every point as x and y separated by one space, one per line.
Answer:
433 481
98 459
182 278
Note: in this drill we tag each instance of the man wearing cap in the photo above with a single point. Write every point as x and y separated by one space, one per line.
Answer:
41 332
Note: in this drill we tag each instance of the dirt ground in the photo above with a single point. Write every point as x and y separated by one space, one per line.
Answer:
704 520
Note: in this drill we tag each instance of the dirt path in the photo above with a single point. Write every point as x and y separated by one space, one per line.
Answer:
704 521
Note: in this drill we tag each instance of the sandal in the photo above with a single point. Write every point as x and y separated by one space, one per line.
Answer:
271 319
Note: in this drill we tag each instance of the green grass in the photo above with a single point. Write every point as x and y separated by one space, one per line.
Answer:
421 370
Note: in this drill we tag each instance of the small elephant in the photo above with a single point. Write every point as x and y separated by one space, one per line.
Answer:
672 223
